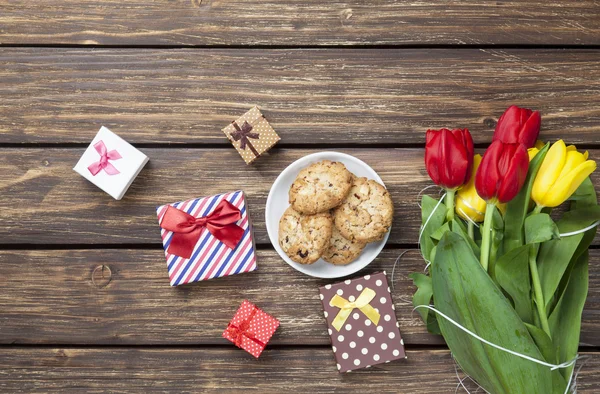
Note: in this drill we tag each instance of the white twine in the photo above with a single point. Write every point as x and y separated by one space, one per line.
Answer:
396 262
422 190
574 377
460 381
552 367
426 223
597 222
467 216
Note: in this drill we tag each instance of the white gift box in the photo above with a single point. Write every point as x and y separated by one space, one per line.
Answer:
111 163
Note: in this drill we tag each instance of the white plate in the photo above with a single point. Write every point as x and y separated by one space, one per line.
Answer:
278 202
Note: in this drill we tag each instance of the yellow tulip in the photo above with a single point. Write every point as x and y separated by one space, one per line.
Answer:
532 152
539 144
469 205
561 173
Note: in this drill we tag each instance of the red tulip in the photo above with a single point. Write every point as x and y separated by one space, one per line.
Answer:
502 171
449 157
518 126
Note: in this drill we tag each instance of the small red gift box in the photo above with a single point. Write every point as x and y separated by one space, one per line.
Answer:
251 328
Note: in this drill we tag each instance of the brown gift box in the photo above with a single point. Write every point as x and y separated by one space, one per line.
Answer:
251 135
361 343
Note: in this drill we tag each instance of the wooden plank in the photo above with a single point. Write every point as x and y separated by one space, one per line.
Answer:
328 97
108 297
311 22
45 202
218 370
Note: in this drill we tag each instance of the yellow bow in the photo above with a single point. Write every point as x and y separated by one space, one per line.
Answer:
346 307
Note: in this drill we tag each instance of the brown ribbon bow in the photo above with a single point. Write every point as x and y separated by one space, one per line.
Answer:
239 332
242 135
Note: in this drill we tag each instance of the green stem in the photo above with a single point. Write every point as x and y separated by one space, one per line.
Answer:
537 209
493 254
471 229
450 204
537 289
486 235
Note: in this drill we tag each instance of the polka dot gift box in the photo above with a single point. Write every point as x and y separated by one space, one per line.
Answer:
251 328
251 134
362 322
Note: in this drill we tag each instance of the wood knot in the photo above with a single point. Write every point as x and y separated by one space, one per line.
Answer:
196 3
101 276
45 163
345 15
489 122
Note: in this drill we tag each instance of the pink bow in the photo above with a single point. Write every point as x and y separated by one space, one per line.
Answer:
103 163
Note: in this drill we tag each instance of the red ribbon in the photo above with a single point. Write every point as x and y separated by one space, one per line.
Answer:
187 228
239 332
103 163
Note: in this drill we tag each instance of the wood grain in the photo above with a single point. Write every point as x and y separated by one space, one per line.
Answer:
218 370
310 22
45 202
329 97
109 297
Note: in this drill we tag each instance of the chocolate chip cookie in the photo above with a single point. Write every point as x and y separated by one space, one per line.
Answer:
320 187
366 213
342 251
304 238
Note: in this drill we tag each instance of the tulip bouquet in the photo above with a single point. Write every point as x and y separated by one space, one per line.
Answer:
508 277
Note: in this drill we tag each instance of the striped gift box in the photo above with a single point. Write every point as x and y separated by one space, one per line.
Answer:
210 258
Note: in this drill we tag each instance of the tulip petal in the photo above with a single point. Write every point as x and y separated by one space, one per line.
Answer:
549 171
532 152
487 178
455 160
469 205
567 184
514 177
539 144
432 156
531 129
572 160
467 142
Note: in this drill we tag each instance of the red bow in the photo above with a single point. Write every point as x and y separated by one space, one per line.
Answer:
187 228
239 332
103 163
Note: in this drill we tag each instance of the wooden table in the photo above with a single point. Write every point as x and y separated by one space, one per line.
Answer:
85 299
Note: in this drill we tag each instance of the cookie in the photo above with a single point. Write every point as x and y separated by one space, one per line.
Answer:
366 214
320 187
304 238
342 251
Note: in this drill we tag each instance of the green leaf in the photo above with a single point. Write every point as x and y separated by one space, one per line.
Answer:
464 291
540 227
517 208
436 220
584 196
565 320
512 274
423 296
543 342
497 221
437 234
459 228
555 255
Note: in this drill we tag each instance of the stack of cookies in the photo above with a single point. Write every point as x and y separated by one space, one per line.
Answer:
333 215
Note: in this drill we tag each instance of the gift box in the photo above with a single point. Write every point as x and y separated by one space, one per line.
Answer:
362 322
251 328
251 135
111 163
206 238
